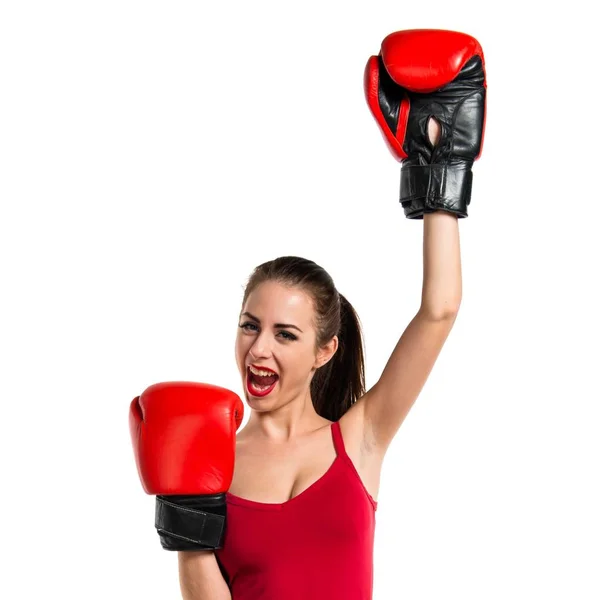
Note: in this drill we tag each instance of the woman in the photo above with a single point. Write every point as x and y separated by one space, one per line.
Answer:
309 459
301 505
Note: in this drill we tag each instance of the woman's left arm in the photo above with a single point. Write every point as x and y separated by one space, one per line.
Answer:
433 123
387 403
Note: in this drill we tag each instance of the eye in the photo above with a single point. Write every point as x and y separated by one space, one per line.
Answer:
285 334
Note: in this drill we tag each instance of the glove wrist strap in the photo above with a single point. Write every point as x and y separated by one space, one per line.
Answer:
427 188
187 528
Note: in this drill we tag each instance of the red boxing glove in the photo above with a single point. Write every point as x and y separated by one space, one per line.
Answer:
183 437
424 73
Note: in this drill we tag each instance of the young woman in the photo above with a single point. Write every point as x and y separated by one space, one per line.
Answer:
304 492
302 498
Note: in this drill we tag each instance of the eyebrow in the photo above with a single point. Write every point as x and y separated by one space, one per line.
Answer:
285 325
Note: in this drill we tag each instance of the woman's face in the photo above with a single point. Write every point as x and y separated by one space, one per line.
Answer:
276 333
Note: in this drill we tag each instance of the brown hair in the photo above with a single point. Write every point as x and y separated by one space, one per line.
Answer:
341 381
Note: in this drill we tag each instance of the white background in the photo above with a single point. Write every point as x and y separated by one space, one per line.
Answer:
153 153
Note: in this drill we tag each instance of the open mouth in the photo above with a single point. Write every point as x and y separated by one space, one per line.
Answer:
260 382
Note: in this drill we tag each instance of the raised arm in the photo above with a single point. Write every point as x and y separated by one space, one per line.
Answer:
426 90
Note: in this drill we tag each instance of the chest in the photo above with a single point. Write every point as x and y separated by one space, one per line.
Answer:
277 474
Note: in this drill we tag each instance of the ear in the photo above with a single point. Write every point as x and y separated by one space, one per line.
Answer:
325 354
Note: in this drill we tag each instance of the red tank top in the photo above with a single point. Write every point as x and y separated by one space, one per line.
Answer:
316 546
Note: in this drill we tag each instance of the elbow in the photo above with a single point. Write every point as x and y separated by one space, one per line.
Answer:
445 312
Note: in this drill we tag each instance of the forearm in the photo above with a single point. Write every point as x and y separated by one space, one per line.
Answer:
442 277
200 577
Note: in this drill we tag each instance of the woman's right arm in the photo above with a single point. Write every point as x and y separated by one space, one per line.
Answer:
200 577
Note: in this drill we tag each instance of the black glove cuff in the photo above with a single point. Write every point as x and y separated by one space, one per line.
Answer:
428 188
182 526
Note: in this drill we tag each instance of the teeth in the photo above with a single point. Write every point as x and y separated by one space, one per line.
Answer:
261 372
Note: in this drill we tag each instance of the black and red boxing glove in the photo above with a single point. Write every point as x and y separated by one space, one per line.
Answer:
420 74
183 437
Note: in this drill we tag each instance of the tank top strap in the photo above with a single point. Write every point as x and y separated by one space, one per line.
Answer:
338 441
340 449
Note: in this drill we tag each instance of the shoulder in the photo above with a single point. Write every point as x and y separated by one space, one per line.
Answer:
352 429
357 436
366 456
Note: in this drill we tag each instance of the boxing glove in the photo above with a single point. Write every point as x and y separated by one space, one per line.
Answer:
421 74
183 437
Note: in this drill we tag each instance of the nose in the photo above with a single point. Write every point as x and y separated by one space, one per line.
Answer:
261 347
